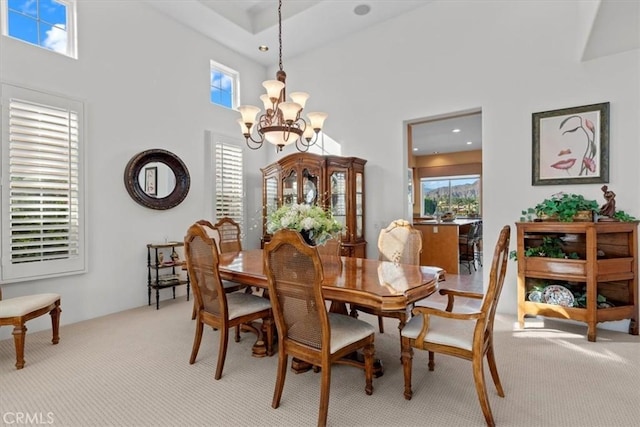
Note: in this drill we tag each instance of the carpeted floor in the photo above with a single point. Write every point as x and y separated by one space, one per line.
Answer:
131 369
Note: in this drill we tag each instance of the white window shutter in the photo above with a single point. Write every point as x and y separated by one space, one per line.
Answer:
42 215
229 183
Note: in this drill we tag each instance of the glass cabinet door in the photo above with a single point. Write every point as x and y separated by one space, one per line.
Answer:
338 202
359 208
290 189
309 188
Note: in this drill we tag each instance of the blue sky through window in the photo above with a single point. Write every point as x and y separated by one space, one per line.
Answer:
39 22
221 88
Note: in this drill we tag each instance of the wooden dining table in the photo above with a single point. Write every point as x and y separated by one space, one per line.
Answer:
366 282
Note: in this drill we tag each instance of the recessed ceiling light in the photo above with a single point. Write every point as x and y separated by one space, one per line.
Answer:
455 130
469 142
263 48
362 9
415 149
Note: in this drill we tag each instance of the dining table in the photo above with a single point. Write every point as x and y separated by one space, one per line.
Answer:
381 285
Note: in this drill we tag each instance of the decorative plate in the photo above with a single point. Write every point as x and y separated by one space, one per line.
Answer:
309 192
535 296
558 295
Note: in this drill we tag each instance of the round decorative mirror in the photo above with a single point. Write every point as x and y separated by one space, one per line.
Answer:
157 179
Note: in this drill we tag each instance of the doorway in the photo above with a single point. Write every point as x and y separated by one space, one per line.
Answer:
444 146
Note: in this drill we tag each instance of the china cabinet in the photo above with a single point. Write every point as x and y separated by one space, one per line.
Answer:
596 282
165 269
332 182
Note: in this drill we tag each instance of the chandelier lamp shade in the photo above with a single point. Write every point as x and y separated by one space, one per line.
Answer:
281 123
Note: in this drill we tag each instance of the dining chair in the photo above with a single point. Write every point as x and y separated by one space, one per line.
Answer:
467 247
306 330
229 230
226 234
330 248
19 310
478 246
399 243
467 335
229 286
216 307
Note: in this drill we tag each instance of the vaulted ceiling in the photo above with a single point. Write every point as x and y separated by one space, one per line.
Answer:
244 25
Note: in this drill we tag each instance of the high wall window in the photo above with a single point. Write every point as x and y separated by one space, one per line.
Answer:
224 89
457 194
326 145
229 183
50 24
43 217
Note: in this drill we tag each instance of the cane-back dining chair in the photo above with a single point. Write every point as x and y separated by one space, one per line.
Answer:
230 241
330 248
216 307
399 243
17 311
306 330
467 335
226 233
229 230
214 233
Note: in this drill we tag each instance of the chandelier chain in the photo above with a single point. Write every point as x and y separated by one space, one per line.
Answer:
281 123
280 31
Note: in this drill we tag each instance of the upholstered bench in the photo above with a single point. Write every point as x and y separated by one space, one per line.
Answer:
17 311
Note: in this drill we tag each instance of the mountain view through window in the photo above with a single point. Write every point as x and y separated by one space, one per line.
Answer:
460 195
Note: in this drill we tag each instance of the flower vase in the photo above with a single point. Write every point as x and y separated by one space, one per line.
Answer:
307 238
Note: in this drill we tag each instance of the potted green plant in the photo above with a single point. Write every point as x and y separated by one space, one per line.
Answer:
551 247
566 207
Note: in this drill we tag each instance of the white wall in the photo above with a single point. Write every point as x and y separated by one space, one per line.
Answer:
144 80
509 58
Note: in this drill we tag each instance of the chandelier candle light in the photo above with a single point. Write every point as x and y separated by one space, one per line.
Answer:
281 124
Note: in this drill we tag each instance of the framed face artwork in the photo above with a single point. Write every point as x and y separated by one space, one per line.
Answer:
571 145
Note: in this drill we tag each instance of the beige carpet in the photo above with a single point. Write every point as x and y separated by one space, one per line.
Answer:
131 369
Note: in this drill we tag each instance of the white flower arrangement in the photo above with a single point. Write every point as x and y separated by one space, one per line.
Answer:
318 223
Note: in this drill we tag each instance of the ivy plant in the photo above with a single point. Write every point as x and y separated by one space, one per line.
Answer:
565 206
624 217
551 247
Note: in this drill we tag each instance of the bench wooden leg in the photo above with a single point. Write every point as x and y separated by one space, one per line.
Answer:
19 332
55 323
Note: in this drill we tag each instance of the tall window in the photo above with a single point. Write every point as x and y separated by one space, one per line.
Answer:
229 183
50 24
457 194
224 86
42 197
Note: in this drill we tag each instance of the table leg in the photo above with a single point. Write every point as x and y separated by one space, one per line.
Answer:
259 348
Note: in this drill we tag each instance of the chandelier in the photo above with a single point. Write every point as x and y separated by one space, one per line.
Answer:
282 122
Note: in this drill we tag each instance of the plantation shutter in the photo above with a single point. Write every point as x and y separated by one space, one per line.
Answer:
229 183
42 233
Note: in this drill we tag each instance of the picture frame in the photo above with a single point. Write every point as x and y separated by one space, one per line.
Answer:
151 180
571 145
